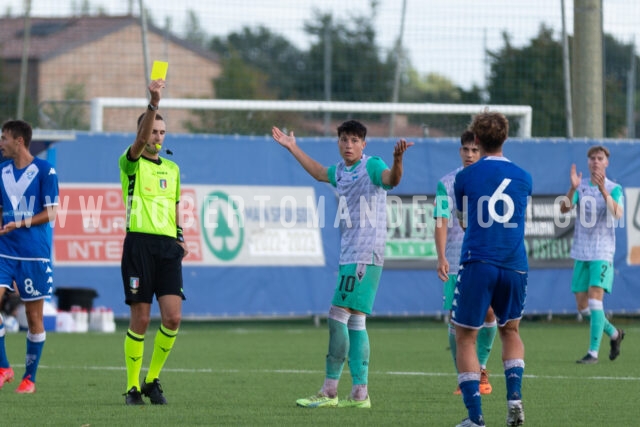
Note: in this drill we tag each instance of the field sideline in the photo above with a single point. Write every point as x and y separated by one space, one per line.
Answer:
250 373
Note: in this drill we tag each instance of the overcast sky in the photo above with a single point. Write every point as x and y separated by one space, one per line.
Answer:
448 37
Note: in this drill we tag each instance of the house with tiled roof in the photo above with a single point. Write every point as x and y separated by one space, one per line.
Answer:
102 56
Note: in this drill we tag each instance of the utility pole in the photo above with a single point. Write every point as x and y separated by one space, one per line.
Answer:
631 94
328 65
24 66
566 74
399 63
587 69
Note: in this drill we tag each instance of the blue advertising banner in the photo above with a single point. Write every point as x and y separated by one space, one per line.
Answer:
288 268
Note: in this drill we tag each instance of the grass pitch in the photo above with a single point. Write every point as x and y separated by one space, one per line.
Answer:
250 374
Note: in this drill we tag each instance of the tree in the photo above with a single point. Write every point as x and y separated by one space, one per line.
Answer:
275 57
238 81
435 88
431 87
358 71
8 95
617 63
67 114
195 33
532 75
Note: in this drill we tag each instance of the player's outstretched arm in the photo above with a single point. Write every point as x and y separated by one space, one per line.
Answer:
315 169
146 126
391 177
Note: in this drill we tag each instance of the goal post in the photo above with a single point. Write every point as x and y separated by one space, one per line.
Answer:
522 112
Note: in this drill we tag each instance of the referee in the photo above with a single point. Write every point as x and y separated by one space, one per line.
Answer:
153 250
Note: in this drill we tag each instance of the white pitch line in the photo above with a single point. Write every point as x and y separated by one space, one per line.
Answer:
314 372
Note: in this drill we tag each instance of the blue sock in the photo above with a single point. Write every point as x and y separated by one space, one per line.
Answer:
4 362
35 342
513 372
471 396
338 348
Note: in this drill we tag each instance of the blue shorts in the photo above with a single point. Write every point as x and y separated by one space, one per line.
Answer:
34 278
481 285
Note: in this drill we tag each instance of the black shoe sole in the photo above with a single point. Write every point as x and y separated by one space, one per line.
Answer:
613 355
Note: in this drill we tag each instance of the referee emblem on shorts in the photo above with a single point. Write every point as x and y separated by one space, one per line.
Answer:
134 284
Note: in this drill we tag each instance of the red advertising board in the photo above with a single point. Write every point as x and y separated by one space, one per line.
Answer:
90 225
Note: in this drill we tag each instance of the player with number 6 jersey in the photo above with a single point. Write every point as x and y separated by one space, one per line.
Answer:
491 199
495 192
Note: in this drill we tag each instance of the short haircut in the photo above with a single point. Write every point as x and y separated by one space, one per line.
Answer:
467 137
17 129
158 117
491 129
353 127
597 148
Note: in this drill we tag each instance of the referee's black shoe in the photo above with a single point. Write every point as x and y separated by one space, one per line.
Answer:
133 397
153 391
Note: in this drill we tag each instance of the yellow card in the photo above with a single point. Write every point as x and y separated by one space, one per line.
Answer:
159 70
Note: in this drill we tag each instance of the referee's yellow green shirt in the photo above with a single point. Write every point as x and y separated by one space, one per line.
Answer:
151 190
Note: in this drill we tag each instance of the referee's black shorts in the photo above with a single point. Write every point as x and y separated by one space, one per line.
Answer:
151 265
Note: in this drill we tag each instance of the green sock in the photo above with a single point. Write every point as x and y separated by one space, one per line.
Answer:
609 329
133 351
486 336
596 329
359 355
162 346
338 348
451 331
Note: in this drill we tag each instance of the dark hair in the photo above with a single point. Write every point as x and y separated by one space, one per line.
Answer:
467 137
353 127
17 129
491 130
158 117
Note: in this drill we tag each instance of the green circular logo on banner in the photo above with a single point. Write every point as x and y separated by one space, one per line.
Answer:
222 225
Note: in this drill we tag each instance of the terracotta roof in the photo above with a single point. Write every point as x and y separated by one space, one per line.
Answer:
53 36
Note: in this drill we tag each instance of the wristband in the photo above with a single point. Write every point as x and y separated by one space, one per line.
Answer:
179 234
152 107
